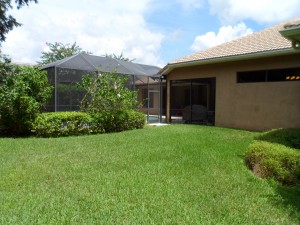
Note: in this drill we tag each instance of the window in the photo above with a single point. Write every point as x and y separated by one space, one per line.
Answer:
145 98
292 74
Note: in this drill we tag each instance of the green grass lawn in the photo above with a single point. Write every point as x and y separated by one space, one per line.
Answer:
179 174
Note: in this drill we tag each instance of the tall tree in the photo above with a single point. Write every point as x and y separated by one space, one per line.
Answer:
119 57
5 67
7 22
59 51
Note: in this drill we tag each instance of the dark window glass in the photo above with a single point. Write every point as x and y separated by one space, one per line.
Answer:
251 76
292 74
284 75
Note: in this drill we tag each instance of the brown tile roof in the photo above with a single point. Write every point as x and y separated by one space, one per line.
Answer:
266 40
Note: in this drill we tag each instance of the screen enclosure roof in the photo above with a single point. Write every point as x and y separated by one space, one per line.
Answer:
88 62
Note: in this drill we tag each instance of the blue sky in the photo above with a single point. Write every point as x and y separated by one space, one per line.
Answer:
149 31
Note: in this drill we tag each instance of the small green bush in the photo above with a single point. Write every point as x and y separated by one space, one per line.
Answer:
78 123
57 124
134 120
269 160
122 120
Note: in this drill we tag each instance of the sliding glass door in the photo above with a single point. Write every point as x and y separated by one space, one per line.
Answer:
193 101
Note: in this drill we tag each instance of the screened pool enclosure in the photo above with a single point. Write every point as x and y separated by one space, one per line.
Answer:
66 73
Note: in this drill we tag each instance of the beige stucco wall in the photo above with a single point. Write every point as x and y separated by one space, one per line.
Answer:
253 106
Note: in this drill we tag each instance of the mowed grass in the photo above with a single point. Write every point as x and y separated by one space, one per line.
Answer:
179 174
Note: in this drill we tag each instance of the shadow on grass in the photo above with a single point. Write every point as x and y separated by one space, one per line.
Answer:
287 137
290 197
6 134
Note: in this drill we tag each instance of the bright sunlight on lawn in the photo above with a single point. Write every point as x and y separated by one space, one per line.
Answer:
179 174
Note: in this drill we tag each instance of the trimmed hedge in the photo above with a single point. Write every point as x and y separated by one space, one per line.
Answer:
270 160
120 120
58 124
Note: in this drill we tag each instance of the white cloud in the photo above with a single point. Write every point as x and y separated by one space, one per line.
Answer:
107 26
191 4
262 11
226 33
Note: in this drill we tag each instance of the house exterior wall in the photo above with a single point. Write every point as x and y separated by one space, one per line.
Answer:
252 106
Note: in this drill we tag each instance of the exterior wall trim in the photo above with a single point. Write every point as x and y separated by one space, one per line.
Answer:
167 69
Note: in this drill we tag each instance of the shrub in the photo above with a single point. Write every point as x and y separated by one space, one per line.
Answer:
23 91
134 120
107 92
78 123
269 160
57 124
121 120
111 104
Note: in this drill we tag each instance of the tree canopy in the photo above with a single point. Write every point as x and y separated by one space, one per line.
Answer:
23 92
8 22
107 92
119 57
5 67
59 51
